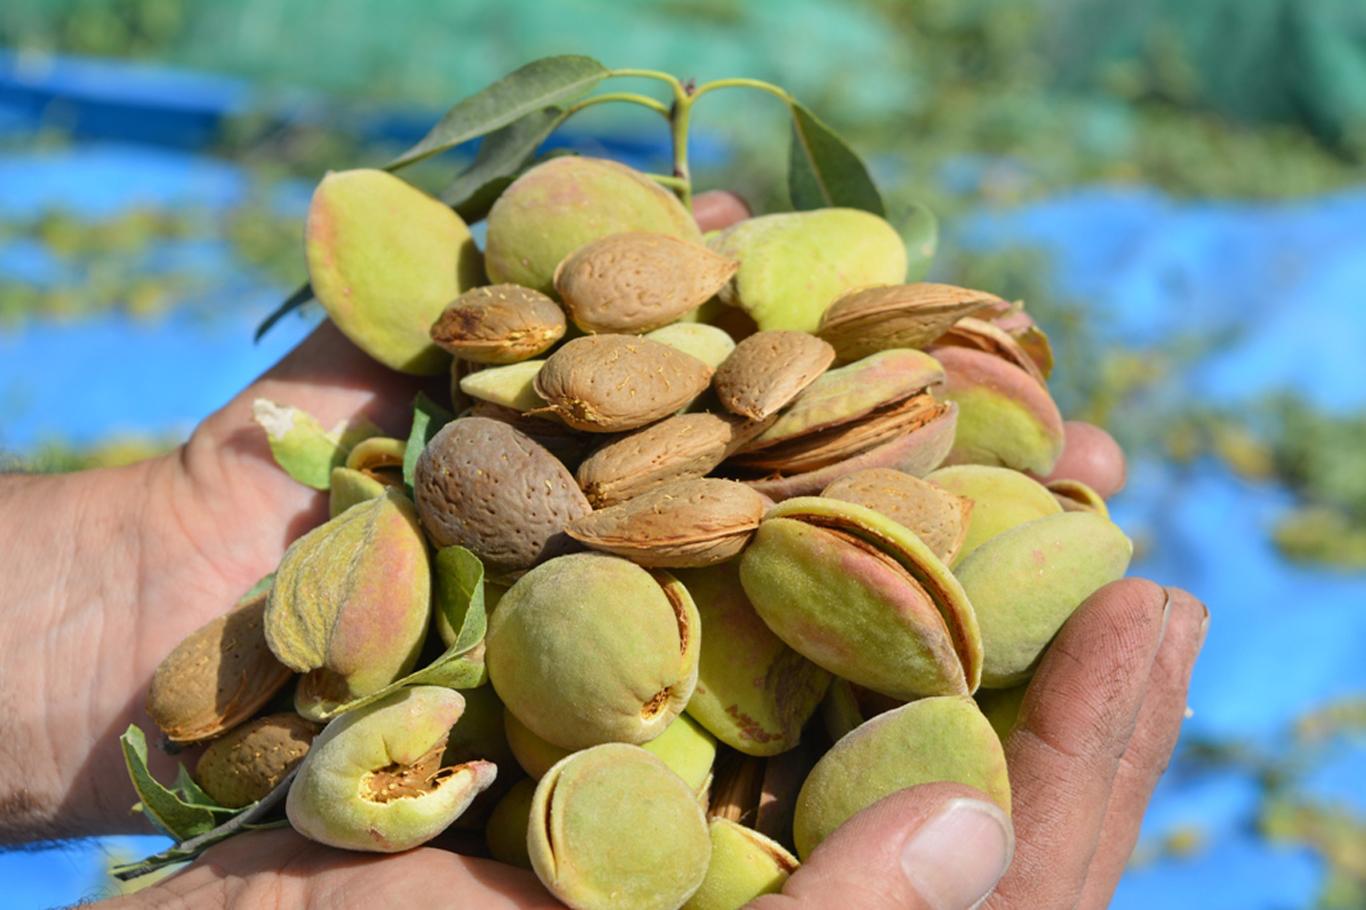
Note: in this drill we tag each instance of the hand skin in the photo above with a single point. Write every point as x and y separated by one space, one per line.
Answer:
110 569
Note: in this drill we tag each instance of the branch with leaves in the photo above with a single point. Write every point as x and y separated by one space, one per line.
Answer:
514 116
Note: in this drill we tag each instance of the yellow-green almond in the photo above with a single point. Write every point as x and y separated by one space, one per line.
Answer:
705 342
944 738
351 603
612 828
384 259
685 746
753 691
559 206
506 830
1001 499
591 648
793 265
1026 582
744 865
510 386
904 627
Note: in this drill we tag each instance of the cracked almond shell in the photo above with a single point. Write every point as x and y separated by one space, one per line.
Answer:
872 319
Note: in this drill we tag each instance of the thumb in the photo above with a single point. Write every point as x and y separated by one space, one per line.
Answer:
932 847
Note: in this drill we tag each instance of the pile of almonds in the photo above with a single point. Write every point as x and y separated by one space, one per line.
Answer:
755 523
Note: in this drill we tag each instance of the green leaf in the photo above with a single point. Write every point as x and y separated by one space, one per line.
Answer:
301 295
428 417
501 156
823 171
248 818
539 84
191 793
919 230
460 595
165 808
306 451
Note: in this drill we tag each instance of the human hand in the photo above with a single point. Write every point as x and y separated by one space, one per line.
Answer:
1098 725
110 569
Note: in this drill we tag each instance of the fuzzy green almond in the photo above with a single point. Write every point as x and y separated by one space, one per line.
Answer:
510 386
1078 496
685 746
373 779
480 733
351 603
349 487
566 203
589 648
705 342
754 693
612 828
1026 582
506 830
1001 499
744 865
384 259
793 265
1002 708
1005 416
904 627
945 738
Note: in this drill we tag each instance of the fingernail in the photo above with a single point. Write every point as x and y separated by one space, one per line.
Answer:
956 858
1166 614
1204 622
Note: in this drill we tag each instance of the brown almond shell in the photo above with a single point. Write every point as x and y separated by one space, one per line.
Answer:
872 319
219 676
684 524
499 324
768 369
635 282
612 383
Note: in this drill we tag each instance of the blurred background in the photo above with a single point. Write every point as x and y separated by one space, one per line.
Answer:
1175 188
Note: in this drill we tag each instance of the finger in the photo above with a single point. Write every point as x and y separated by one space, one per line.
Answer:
716 209
933 847
1076 721
1150 748
1091 455
282 869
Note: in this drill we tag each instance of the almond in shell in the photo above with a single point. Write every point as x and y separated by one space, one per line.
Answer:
683 524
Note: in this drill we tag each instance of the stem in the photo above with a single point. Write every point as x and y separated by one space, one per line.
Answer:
743 83
674 183
658 107
679 119
671 80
